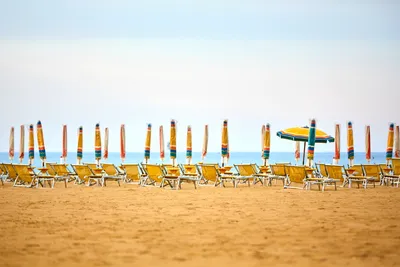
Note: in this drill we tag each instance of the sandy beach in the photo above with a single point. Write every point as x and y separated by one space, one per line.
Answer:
132 226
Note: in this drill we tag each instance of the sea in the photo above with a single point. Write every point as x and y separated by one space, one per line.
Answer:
212 157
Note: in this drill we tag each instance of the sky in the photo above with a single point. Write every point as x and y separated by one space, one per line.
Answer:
251 62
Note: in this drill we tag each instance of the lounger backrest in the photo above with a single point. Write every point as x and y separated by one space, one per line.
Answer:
83 171
132 171
297 173
60 169
109 169
155 172
255 167
91 165
23 172
3 170
322 169
245 169
278 170
396 166
188 168
209 172
358 170
335 172
50 169
372 170
12 174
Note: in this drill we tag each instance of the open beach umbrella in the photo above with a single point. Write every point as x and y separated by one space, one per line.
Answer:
105 154
350 143
97 144
79 153
162 150
396 145
40 137
336 156
301 134
31 145
267 144
224 143
368 143
172 142
390 141
205 143
122 143
311 142
297 151
11 147
147 144
189 145
22 144
64 144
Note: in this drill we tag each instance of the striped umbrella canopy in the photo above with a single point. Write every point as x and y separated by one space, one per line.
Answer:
11 147
122 143
147 144
105 154
79 153
396 145
64 144
40 137
205 143
22 144
368 143
162 150
97 144
350 143
172 142
336 156
297 151
189 145
267 144
311 142
224 143
31 145
390 141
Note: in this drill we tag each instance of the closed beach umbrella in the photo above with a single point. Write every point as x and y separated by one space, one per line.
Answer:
172 142
105 155
31 147
368 143
11 147
390 141
205 143
79 153
189 145
350 143
122 143
396 145
22 144
224 145
262 139
97 145
147 144
64 144
162 149
336 156
40 137
297 151
311 142
267 142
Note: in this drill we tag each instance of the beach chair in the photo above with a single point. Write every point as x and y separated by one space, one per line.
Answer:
278 172
133 173
337 172
392 178
112 173
246 172
62 173
50 169
91 165
332 178
321 170
359 177
373 171
3 173
156 174
27 178
211 173
11 173
86 175
298 175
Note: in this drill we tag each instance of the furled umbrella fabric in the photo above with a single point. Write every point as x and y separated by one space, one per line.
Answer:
11 147
172 142
31 145
205 143
336 156
22 144
311 142
40 137
105 154
79 153
390 141
297 151
350 143
267 143
122 143
64 144
162 149
189 145
224 143
262 138
368 143
396 145
147 144
97 144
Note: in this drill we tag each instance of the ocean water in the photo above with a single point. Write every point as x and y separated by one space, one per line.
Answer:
212 157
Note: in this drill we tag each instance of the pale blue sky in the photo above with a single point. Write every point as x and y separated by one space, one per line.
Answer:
253 62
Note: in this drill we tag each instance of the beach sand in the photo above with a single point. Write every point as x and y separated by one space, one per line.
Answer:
256 226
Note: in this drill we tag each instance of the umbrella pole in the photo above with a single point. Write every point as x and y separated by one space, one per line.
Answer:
304 151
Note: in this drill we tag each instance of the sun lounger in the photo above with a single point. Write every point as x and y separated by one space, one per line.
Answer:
111 173
359 176
27 178
247 172
86 175
133 173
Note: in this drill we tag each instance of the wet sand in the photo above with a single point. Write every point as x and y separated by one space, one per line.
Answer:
256 226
